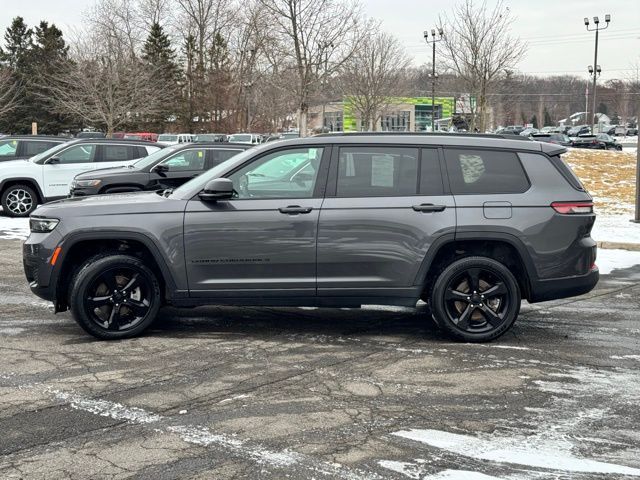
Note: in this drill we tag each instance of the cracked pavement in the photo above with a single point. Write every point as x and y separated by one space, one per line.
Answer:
225 393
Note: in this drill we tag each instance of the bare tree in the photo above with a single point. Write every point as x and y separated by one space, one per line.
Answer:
103 87
9 92
373 75
317 36
479 47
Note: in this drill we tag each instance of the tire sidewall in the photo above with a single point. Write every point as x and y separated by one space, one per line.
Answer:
6 193
438 305
87 274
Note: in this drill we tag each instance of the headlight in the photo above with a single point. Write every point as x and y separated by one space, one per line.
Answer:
43 225
86 183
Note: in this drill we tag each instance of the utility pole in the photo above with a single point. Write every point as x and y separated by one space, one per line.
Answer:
596 67
325 48
433 75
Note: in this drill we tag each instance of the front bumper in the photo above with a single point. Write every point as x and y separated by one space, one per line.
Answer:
82 191
37 252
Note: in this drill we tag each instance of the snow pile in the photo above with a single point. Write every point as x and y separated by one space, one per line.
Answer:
13 228
610 260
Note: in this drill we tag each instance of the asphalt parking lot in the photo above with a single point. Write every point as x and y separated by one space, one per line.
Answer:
223 393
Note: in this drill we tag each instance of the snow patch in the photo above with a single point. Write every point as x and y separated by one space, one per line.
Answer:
512 451
105 408
610 260
615 228
14 228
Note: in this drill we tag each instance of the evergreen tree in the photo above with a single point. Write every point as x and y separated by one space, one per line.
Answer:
158 53
534 121
18 45
547 118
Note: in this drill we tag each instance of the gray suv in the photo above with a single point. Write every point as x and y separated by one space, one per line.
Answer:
470 224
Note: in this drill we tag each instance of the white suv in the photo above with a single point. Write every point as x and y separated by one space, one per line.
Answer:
47 176
176 138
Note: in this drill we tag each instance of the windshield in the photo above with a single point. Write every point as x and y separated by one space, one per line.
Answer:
47 153
167 138
155 156
201 180
240 138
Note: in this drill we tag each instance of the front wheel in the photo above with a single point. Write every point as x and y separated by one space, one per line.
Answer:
476 299
19 201
114 296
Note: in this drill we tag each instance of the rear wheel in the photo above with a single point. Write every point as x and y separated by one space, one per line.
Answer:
476 299
19 201
114 296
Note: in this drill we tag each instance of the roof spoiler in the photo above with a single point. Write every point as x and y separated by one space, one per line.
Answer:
552 149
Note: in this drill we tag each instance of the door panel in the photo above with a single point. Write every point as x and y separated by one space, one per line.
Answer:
70 162
235 247
388 206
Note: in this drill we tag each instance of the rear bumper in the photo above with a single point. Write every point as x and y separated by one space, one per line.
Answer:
555 288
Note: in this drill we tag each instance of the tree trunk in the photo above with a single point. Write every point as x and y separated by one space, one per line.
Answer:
302 119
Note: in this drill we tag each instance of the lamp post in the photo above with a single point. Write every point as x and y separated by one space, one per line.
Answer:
433 75
597 28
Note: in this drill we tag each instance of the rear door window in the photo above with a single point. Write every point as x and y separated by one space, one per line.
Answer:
118 153
485 172
31 148
377 172
219 155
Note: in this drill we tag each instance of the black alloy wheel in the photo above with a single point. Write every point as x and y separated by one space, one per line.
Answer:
114 296
476 299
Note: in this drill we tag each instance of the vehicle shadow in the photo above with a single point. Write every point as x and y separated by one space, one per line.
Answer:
267 322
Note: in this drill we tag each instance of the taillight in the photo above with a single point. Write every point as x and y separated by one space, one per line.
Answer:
569 208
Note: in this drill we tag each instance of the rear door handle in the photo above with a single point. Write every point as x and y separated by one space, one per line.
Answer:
295 210
429 207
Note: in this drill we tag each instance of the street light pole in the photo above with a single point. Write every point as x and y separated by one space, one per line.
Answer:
596 21
433 75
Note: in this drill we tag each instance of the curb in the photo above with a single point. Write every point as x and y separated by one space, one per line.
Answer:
634 247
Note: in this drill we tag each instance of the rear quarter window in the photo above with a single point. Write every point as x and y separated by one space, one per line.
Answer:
485 172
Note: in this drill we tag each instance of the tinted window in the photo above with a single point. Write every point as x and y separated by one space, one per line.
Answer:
34 148
377 171
430 175
76 154
485 171
186 160
118 153
8 148
284 174
218 155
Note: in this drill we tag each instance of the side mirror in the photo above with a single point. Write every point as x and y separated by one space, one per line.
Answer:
217 189
53 160
160 169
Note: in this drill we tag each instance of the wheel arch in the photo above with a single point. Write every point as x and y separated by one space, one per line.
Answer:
502 247
31 182
79 247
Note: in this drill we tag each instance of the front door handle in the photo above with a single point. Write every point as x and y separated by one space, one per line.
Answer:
295 210
429 207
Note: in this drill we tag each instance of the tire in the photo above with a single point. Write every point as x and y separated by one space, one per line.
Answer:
114 296
18 200
481 316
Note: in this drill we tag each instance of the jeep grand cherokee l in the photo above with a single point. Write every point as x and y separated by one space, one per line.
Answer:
471 224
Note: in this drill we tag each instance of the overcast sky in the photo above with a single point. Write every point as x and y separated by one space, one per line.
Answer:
553 29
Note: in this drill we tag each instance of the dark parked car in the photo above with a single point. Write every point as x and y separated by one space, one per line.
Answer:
511 130
600 141
470 223
557 138
167 168
90 135
579 130
16 147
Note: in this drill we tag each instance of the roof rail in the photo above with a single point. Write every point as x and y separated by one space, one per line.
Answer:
505 136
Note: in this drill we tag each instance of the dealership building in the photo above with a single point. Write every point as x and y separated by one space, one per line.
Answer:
404 114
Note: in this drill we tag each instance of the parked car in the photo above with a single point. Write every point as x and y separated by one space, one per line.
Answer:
632 131
512 130
557 138
166 168
249 138
90 135
146 136
600 141
26 183
579 130
176 138
211 137
547 129
353 227
608 129
17 147
527 132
